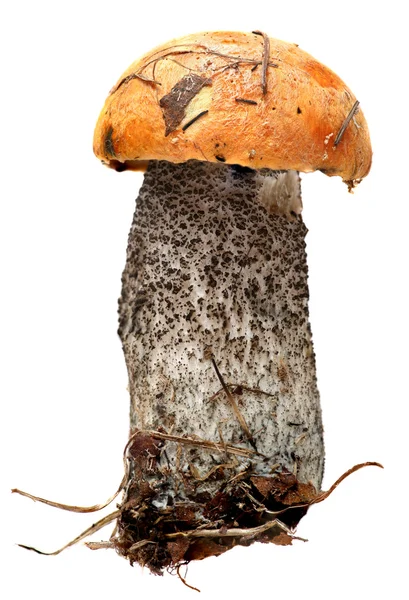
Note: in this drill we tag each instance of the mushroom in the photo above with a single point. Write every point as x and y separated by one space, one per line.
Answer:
226 437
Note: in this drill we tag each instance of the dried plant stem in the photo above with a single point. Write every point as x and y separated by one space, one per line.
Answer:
266 56
93 529
233 532
246 101
73 508
198 49
195 118
196 533
234 406
345 124
100 545
196 442
239 386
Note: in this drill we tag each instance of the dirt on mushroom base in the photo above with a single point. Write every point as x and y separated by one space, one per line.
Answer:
172 544
247 508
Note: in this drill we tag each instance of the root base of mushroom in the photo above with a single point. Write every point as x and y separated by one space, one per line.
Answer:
245 508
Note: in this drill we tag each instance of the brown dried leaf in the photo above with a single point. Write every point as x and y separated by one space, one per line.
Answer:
306 492
300 493
184 513
285 488
173 105
282 539
277 486
144 450
202 548
143 445
263 484
177 549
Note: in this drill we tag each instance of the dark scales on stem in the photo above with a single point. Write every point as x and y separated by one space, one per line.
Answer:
173 105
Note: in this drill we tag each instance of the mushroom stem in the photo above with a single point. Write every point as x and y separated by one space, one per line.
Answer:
215 331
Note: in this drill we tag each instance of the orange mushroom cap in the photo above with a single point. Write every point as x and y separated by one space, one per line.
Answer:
238 98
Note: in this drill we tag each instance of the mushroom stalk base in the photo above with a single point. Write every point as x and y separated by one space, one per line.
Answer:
225 420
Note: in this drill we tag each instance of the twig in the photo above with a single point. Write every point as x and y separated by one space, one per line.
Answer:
246 101
235 386
261 506
266 56
203 50
237 477
183 66
196 442
100 545
194 119
345 124
140 544
214 469
233 532
133 76
236 410
193 49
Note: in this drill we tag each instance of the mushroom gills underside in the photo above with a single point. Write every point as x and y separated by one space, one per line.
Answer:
225 419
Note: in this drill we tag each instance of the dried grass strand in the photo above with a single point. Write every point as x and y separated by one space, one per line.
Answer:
89 531
233 532
81 509
196 49
345 124
246 452
100 545
236 386
74 508
234 406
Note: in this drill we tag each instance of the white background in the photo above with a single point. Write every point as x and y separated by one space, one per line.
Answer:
64 227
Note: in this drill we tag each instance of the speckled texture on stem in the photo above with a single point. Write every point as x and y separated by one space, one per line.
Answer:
211 273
